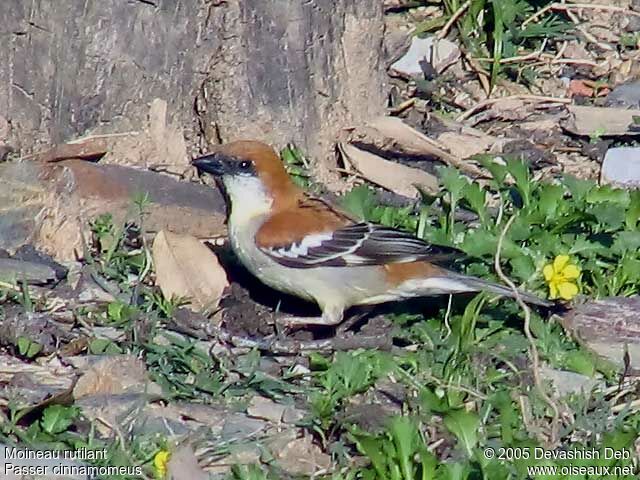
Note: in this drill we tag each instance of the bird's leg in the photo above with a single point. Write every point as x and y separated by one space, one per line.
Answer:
330 316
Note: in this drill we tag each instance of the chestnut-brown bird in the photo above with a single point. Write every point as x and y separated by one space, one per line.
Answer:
303 246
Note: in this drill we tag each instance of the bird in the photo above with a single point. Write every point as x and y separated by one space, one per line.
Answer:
304 246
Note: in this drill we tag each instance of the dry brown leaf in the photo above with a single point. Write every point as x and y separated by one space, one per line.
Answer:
393 176
187 268
413 141
601 121
466 145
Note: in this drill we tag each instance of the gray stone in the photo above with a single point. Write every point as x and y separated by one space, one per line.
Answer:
439 53
50 205
621 167
626 95
30 272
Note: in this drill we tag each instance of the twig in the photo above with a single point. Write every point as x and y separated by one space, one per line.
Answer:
483 75
398 109
533 350
632 406
566 7
586 34
533 98
520 58
10 286
456 15
447 317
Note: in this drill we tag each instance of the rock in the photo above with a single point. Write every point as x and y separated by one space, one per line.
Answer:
292 415
626 95
30 254
186 268
114 375
160 146
261 407
5 150
566 383
183 465
621 167
49 205
38 327
42 468
33 383
601 121
439 53
303 457
608 327
238 426
19 270
88 149
312 47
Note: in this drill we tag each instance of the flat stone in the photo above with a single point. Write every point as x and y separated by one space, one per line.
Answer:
50 205
626 95
20 270
261 407
439 53
566 383
610 327
621 167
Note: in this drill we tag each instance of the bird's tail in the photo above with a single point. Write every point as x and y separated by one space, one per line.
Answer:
483 285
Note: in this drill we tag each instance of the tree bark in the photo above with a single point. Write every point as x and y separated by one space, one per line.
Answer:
294 71
277 70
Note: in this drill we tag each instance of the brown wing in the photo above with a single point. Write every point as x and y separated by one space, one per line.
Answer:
310 215
314 234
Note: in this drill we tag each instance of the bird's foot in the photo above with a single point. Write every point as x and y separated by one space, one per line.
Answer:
286 325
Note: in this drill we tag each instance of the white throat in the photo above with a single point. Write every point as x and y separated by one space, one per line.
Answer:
248 197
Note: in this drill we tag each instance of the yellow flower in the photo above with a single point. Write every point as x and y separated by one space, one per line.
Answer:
160 463
561 277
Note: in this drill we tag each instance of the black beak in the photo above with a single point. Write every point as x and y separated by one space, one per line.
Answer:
213 164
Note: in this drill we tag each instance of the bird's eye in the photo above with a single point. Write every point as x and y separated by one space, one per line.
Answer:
245 165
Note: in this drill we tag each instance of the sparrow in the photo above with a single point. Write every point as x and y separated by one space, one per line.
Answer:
302 245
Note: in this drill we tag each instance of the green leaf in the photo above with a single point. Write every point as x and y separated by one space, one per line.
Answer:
522 267
607 193
464 425
550 198
520 173
633 213
630 268
57 418
101 346
405 437
28 348
475 196
453 181
581 362
609 214
579 188
626 242
359 201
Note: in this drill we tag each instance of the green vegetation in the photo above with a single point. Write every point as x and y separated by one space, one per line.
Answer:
497 32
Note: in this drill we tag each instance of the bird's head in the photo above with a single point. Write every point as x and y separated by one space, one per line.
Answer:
252 174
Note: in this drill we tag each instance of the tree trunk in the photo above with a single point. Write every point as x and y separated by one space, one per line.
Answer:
277 70
293 71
